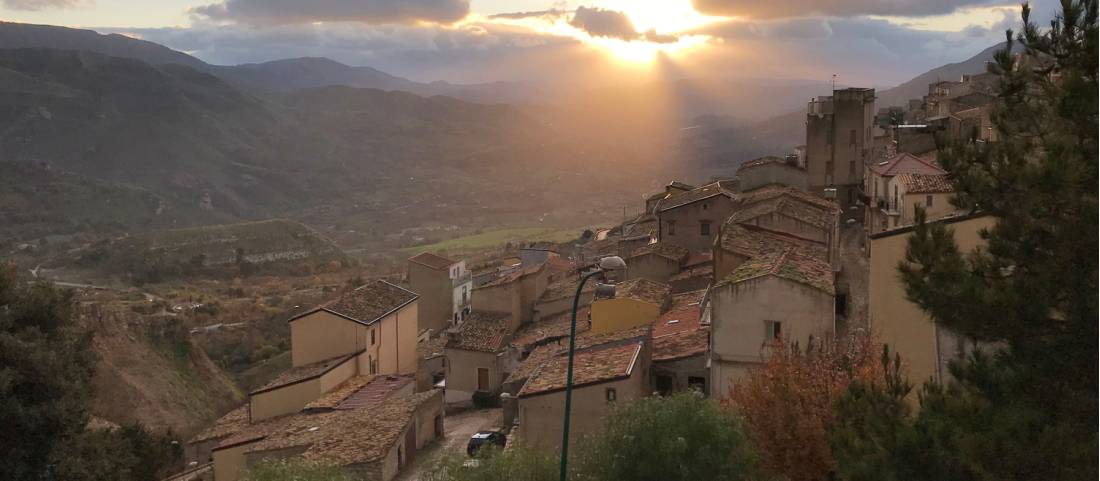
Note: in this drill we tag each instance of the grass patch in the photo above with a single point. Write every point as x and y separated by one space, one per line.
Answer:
264 371
499 237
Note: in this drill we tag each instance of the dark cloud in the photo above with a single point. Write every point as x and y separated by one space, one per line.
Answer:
276 12
651 35
549 14
772 9
604 23
40 4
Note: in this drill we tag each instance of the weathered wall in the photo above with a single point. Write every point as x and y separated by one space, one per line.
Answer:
434 288
772 173
610 315
687 220
895 320
285 400
323 335
462 368
738 329
540 417
651 266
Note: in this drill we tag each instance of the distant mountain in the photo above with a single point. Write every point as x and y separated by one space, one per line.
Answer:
310 72
24 35
918 86
170 146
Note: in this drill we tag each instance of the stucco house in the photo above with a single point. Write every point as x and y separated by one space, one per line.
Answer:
680 339
771 170
514 294
603 374
792 212
894 187
783 295
741 242
445 288
657 261
354 361
637 302
475 354
673 188
924 346
691 219
377 322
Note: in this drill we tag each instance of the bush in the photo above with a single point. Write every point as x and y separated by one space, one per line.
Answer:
518 462
296 469
483 400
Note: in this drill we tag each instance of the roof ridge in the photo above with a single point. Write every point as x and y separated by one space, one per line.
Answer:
780 259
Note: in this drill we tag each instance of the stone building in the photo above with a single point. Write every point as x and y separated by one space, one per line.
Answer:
896 186
771 170
657 262
475 356
839 142
444 287
691 219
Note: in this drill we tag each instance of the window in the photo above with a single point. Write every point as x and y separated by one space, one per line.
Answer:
851 167
611 394
373 365
852 137
928 201
664 384
773 330
704 206
698 384
483 379
671 227
372 337
704 227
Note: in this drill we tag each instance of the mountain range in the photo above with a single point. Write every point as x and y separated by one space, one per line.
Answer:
111 132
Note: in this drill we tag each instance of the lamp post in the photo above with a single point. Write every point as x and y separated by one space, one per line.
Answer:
607 264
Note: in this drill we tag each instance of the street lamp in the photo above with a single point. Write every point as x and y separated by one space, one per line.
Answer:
607 264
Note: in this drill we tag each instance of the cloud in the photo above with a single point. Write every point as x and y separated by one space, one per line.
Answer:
34 5
604 23
773 9
552 13
651 35
279 12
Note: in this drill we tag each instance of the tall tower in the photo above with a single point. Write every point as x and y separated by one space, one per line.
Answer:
839 140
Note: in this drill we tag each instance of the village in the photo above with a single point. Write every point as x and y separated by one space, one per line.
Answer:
787 248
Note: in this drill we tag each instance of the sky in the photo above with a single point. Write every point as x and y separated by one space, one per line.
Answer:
875 43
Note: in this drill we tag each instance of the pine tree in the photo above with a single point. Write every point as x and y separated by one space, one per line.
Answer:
1025 406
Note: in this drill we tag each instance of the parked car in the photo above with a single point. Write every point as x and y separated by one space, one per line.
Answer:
481 438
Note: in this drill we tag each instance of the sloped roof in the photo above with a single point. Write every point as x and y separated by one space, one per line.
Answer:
925 183
906 163
432 260
585 339
596 365
431 348
664 249
750 241
787 264
766 160
342 436
231 423
515 276
773 191
815 216
366 304
306 372
556 326
697 194
643 290
481 331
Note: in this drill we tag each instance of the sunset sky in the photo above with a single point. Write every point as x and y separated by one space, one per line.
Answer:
864 42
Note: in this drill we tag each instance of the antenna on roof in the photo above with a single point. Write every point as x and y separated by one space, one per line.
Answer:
834 82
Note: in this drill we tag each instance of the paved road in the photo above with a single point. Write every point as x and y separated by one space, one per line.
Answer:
457 430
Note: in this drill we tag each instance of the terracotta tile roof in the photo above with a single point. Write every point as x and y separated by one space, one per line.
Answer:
308 371
561 264
676 322
342 436
334 397
695 195
515 276
680 345
367 304
926 183
643 290
684 300
906 163
664 249
765 160
705 270
431 348
773 191
231 423
789 265
750 241
680 185
699 258
815 216
482 331
591 366
375 392
565 287
552 327
432 260
585 339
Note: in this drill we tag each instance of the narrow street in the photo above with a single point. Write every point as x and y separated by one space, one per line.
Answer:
456 433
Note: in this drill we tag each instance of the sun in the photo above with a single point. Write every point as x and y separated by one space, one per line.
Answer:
665 18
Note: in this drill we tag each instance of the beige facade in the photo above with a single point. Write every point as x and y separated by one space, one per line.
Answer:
766 171
896 321
622 313
839 142
652 266
516 294
436 279
693 219
389 342
540 416
469 372
744 313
